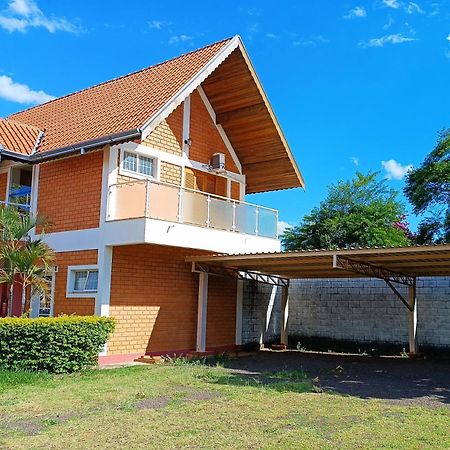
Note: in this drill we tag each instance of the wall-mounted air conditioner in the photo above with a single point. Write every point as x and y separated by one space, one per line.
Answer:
218 163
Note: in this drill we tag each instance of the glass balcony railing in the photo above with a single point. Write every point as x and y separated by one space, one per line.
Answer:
154 200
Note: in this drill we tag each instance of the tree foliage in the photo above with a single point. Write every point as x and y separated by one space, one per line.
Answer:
428 190
362 211
24 260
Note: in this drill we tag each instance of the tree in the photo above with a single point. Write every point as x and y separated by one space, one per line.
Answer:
428 190
362 212
25 260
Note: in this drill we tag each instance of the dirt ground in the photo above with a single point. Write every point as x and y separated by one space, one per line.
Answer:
393 379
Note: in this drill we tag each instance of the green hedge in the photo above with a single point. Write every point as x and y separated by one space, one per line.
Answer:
54 344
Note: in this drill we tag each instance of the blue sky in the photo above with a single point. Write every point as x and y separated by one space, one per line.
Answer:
353 83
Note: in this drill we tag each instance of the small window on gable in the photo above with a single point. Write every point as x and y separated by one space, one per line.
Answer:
82 281
139 164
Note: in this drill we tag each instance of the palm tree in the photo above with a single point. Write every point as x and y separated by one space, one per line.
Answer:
24 260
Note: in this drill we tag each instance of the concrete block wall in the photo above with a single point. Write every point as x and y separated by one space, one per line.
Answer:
260 313
360 310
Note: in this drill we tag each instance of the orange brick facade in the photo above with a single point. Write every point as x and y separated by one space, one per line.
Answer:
206 140
62 304
70 192
168 136
3 185
154 301
170 173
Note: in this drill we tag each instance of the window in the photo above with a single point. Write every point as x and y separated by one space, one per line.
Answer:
82 281
85 280
139 164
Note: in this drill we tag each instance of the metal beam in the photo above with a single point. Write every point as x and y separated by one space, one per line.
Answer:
342 262
273 280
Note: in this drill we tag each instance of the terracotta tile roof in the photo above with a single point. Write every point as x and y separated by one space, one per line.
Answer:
18 137
122 104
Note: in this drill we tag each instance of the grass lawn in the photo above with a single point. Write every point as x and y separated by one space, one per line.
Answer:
195 406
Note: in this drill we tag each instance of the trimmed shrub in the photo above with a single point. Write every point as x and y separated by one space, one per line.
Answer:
53 344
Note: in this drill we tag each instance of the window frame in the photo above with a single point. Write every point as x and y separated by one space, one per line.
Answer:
137 174
70 291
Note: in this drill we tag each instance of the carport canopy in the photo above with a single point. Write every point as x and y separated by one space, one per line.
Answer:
394 265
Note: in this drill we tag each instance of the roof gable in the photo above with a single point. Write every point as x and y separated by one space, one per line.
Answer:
135 104
19 137
118 105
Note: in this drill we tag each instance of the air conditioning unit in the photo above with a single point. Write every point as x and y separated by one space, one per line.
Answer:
218 163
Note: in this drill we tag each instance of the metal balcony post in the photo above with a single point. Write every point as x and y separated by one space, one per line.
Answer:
208 212
233 225
180 205
147 197
276 225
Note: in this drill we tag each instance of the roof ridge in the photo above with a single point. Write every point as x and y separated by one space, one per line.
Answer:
119 77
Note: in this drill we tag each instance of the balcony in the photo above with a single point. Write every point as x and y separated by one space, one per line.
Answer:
146 199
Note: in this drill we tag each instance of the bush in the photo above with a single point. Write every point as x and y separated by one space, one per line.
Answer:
53 344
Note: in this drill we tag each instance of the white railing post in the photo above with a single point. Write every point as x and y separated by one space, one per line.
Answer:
208 211
276 225
180 205
233 225
147 197
257 221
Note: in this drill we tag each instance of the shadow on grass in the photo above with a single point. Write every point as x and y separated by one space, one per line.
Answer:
279 382
405 381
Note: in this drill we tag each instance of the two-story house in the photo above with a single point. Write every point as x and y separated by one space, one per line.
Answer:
134 175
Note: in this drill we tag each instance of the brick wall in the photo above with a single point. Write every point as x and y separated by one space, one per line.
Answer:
360 310
206 140
170 173
235 190
154 300
70 192
168 136
3 185
64 305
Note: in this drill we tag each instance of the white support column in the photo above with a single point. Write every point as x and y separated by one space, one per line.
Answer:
186 124
202 311
284 315
102 299
412 318
239 305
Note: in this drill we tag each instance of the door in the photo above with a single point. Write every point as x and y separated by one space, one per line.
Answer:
41 304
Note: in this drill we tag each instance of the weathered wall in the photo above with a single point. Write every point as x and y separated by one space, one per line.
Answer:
360 310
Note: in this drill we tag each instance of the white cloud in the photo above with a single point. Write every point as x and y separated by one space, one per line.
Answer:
180 39
21 93
436 9
252 11
448 38
158 24
395 170
412 8
355 160
389 23
23 14
388 39
310 42
395 4
272 35
283 226
358 11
